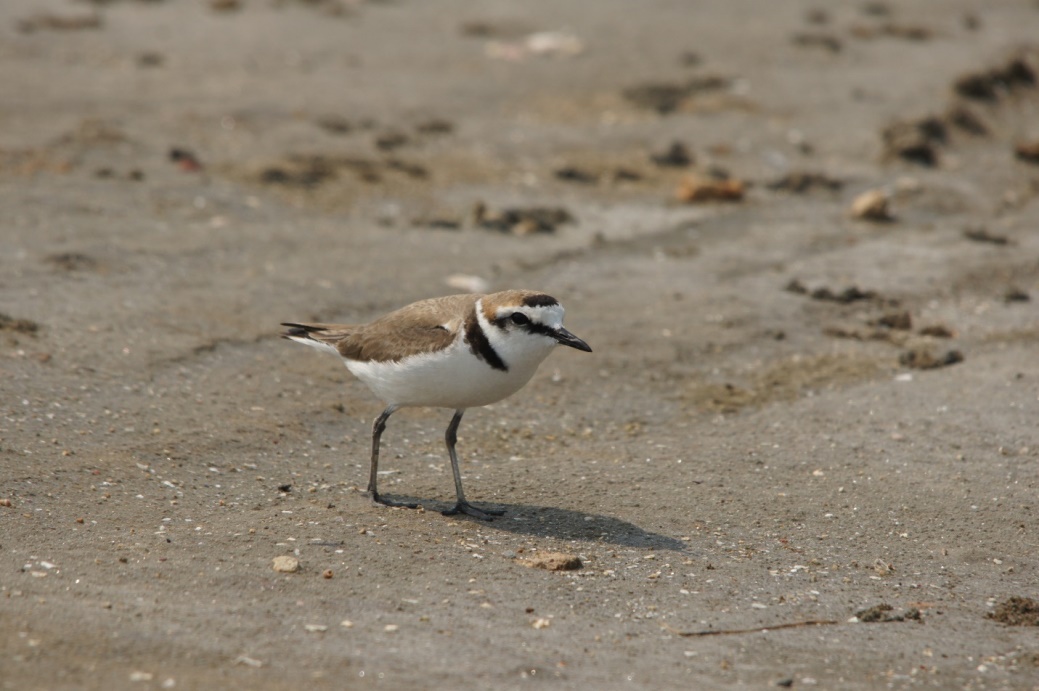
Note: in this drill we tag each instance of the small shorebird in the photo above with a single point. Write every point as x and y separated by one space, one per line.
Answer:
460 351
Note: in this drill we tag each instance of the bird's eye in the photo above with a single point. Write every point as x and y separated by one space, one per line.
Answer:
520 319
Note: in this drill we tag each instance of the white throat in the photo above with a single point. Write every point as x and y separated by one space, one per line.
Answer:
520 350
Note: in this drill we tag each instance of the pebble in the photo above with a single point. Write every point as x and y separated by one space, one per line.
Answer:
872 205
285 564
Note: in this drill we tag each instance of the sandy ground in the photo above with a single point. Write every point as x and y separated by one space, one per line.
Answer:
791 415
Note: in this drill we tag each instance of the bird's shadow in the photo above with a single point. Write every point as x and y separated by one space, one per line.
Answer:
564 524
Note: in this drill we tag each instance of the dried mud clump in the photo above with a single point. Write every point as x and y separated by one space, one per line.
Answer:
59 22
694 189
335 124
919 141
388 141
1017 611
575 174
552 561
184 159
925 358
435 126
937 331
801 182
587 176
666 98
817 40
677 155
992 84
22 326
844 297
1015 294
302 174
309 172
1027 151
963 118
916 141
522 221
883 613
905 32
984 236
899 321
72 261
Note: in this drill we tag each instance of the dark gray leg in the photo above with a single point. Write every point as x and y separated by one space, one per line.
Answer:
462 506
377 429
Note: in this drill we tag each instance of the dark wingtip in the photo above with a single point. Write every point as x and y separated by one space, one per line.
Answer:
296 330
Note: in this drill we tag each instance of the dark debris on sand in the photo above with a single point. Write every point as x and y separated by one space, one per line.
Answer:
1016 611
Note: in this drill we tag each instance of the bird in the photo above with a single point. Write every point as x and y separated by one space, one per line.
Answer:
455 352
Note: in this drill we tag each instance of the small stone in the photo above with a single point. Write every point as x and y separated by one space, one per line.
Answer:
541 623
285 564
390 628
327 573
315 628
552 561
872 205
882 567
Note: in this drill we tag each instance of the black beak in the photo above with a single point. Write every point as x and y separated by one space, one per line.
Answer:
568 339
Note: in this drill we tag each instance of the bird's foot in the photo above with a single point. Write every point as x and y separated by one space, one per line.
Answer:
470 510
379 499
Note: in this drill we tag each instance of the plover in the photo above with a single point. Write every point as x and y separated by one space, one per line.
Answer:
458 352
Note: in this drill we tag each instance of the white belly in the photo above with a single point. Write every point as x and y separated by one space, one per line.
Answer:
451 378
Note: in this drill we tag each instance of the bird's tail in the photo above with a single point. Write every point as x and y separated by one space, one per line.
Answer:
320 336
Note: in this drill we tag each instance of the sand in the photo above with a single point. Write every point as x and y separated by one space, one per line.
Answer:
803 451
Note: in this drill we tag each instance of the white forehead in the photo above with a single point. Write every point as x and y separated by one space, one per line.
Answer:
549 315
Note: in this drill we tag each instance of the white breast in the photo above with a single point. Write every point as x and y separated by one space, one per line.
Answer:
451 378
